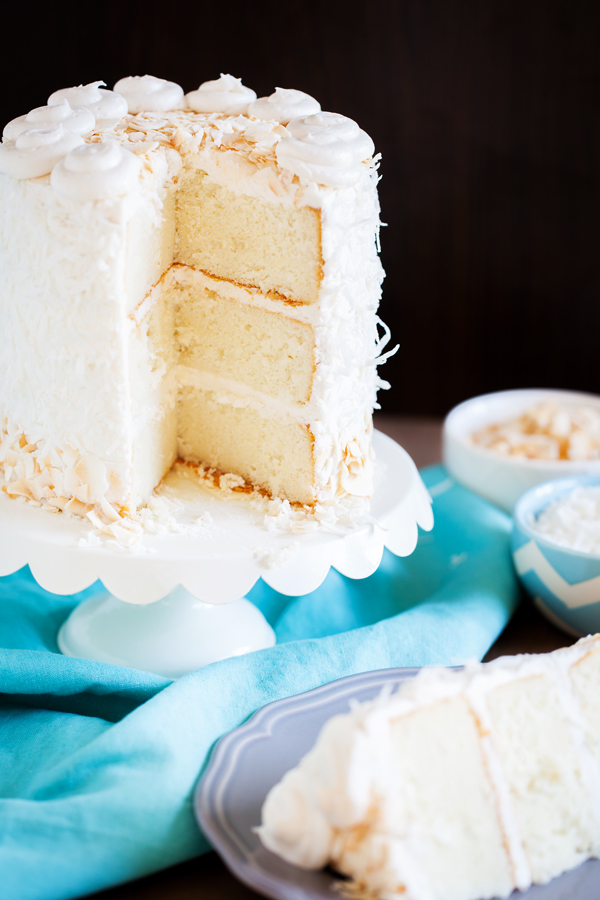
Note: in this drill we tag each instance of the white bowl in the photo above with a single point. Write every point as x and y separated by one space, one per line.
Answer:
563 583
503 479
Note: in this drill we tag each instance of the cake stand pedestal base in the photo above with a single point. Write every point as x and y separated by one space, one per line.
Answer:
171 637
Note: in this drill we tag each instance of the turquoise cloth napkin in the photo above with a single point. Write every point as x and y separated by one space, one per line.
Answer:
98 763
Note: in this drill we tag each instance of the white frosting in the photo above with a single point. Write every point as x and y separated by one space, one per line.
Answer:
63 266
106 106
284 105
60 292
96 171
35 152
225 95
326 148
298 829
73 118
235 393
145 92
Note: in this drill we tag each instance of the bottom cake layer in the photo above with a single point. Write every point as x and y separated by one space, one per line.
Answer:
273 453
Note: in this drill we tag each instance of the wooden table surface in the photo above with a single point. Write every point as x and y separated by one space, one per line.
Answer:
206 878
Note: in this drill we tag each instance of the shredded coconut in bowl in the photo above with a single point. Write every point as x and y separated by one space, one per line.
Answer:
573 521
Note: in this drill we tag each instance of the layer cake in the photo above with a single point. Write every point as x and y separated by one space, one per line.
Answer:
187 277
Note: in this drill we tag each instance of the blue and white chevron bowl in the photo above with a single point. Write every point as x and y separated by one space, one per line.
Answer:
564 583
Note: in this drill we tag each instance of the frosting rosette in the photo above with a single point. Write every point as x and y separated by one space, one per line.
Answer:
106 106
36 151
146 93
225 95
73 118
326 148
284 105
99 171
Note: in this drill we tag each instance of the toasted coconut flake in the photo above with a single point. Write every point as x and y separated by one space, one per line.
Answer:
76 506
109 511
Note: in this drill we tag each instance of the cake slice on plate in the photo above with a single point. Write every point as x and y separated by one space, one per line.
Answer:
462 786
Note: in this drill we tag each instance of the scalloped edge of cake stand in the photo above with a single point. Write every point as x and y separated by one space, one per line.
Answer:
222 563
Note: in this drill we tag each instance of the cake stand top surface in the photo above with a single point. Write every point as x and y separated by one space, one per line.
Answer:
220 548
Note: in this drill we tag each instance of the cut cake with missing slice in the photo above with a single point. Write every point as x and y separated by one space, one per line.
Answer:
187 284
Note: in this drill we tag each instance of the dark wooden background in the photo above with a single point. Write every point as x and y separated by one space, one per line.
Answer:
487 116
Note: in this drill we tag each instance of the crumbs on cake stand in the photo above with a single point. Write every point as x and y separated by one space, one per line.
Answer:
174 510
341 517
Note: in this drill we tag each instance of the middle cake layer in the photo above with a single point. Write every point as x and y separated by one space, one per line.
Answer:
264 350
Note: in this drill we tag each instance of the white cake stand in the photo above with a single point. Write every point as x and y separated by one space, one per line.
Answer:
177 601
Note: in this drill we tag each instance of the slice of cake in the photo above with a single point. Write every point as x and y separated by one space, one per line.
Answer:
462 786
195 279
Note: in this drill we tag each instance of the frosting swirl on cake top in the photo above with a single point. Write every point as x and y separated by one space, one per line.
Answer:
96 172
35 152
326 148
73 118
145 92
284 105
279 146
226 95
106 106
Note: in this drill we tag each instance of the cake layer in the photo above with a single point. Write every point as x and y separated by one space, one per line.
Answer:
585 679
270 353
450 823
274 453
272 246
541 763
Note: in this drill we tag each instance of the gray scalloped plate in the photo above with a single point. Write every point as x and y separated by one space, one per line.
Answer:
247 762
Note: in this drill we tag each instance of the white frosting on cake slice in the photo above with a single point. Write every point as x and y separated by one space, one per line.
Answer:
462 786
